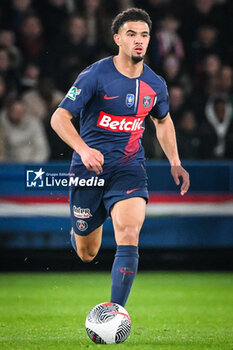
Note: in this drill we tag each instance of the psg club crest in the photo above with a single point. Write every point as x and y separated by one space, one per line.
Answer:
146 101
81 225
129 100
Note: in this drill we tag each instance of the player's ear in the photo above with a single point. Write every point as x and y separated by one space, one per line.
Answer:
116 38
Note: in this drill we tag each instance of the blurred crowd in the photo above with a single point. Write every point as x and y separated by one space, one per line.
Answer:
44 44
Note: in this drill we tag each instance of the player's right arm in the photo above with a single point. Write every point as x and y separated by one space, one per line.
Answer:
62 125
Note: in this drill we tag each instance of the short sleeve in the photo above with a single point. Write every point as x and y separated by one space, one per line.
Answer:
161 107
81 92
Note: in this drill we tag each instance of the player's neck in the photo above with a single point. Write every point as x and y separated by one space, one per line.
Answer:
127 67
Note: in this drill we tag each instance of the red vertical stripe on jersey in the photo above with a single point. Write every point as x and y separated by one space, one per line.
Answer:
145 90
133 144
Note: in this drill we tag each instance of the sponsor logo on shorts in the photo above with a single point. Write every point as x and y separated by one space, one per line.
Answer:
81 213
73 93
81 225
146 101
120 123
130 191
129 100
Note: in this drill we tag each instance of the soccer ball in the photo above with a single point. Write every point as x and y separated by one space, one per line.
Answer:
108 323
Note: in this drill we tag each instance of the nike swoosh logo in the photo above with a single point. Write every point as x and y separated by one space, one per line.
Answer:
109 97
126 271
130 191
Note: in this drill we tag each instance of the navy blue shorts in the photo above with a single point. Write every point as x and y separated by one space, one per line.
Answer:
90 205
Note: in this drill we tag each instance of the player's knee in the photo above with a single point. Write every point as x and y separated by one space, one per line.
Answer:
86 255
128 235
86 258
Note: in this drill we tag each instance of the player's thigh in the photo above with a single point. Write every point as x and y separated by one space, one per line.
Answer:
91 242
128 216
88 213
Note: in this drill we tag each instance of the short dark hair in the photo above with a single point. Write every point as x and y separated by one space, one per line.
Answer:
130 15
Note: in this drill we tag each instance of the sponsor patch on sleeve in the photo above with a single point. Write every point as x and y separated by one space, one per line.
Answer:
73 93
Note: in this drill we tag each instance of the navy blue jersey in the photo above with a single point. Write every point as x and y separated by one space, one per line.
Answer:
112 109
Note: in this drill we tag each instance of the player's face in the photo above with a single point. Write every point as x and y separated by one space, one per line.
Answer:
133 39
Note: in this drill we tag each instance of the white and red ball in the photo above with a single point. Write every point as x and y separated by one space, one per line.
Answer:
108 323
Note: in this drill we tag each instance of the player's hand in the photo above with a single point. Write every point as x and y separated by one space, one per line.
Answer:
177 171
92 159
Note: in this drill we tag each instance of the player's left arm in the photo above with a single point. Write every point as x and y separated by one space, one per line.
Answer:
166 135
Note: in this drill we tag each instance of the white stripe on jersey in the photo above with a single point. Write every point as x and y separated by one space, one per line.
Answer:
136 94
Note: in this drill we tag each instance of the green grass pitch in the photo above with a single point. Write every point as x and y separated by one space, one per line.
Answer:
172 311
